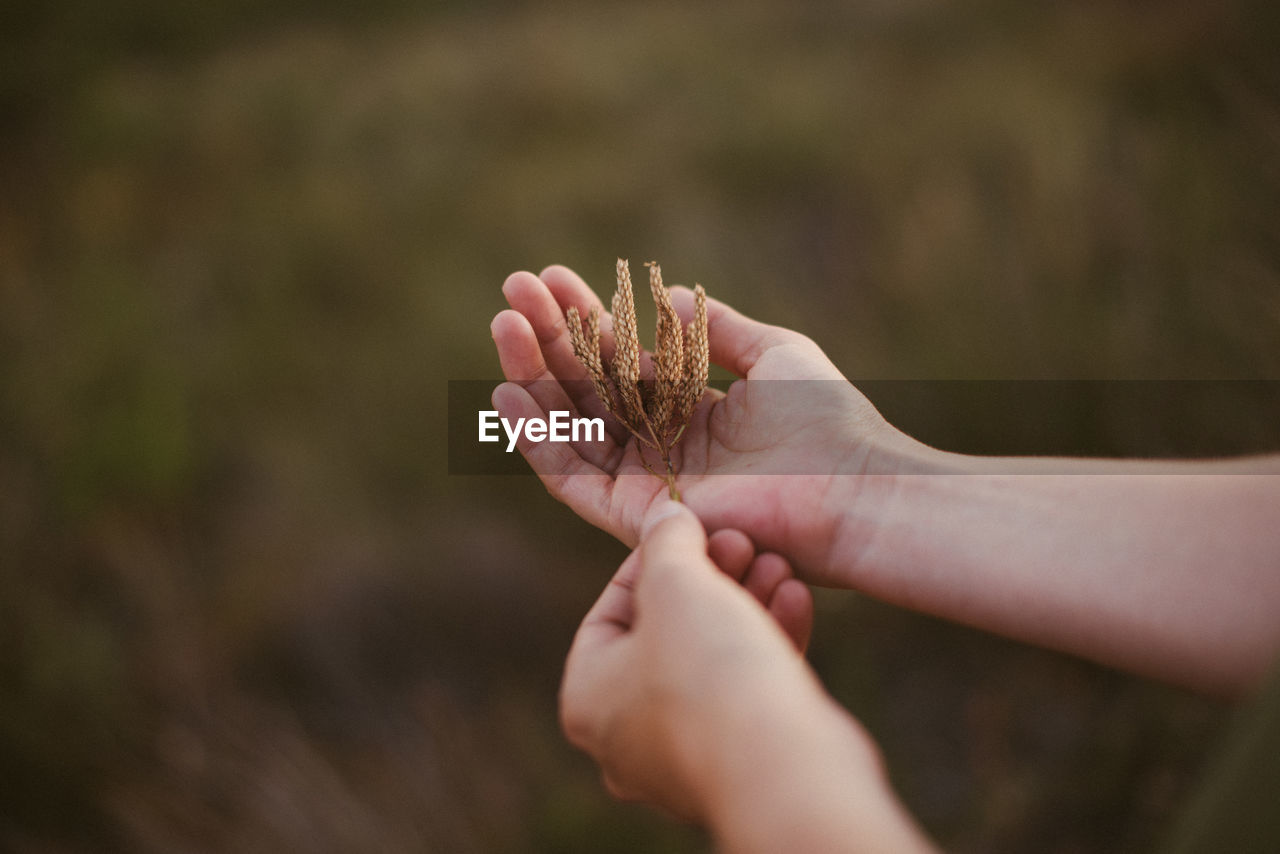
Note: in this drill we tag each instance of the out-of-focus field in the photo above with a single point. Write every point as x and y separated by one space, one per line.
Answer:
244 246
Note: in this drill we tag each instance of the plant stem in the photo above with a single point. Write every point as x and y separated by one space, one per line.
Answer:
671 479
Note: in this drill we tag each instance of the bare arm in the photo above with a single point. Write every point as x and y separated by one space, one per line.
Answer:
1166 569
685 691
1171 570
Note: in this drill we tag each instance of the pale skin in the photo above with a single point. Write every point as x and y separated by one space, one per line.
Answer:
1166 570
690 697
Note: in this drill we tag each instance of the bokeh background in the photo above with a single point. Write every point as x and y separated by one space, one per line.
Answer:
245 245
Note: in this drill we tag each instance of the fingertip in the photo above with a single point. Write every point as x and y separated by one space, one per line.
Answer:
509 397
517 343
732 551
516 281
767 571
792 592
683 301
506 323
568 288
661 513
672 540
558 271
617 790
792 607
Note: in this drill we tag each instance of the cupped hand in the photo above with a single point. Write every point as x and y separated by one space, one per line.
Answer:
765 457
672 644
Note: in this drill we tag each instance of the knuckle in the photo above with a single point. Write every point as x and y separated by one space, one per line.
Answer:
576 723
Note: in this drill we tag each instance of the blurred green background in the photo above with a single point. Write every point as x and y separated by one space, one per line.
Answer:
243 247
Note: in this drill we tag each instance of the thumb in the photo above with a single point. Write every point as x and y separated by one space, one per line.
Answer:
672 549
737 342
672 534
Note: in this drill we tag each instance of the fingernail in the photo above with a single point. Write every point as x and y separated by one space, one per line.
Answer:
665 510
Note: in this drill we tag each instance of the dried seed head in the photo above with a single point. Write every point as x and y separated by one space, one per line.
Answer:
668 356
574 322
697 363
626 355
680 363
587 348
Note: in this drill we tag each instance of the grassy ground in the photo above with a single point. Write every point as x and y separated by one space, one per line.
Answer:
242 607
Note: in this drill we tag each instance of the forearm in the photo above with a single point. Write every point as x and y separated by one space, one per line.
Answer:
798 774
1171 570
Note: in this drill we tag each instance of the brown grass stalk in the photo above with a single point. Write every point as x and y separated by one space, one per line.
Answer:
656 410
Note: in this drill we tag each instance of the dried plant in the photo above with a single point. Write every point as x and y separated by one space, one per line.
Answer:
658 410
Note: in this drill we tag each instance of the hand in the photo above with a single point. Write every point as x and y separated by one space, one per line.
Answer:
671 641
734 443
690 697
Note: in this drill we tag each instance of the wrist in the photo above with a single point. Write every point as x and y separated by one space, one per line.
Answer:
763 742
795 771
865 494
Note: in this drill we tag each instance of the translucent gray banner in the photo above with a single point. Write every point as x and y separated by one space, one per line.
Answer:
1143 419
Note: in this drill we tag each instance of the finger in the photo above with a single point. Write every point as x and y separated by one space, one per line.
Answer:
767 571
518 350
569 477
522 362
569 289
620 791
614 611
736 341
732 551
545 311
592 667
792 607
660 511
529 295
617 790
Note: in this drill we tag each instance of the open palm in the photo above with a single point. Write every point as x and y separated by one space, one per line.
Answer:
813 427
